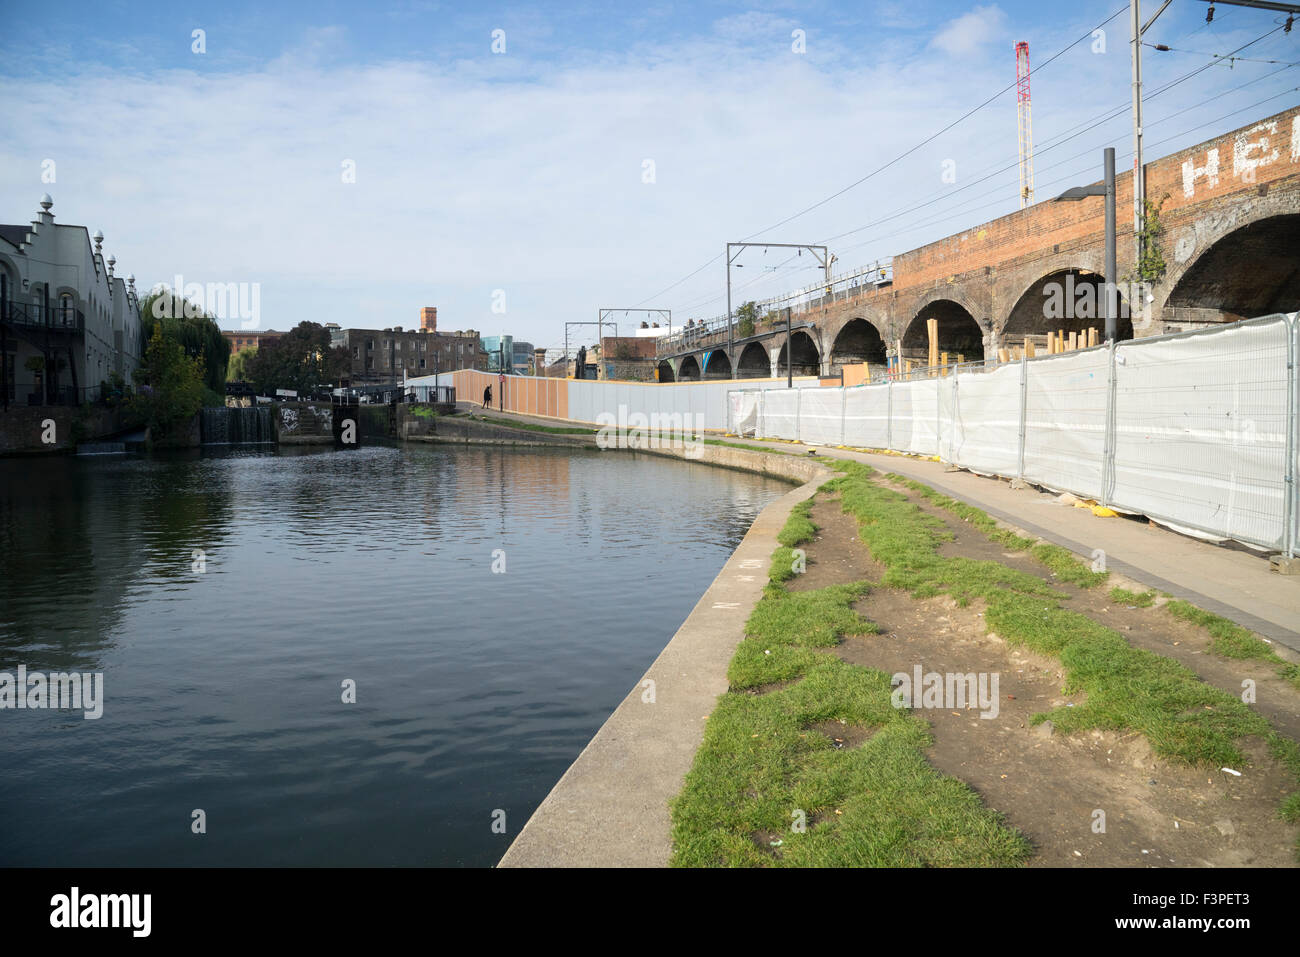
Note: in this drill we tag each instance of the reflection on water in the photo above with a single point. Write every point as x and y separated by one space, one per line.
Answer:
475 690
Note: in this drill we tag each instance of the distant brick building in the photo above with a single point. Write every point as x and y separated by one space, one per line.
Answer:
627 357
385 355
248 339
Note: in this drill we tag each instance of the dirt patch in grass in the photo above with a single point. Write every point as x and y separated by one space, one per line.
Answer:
835 556
770 688
1151 627
1156 630
1050 786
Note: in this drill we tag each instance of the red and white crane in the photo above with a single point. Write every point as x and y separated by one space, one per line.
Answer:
1025 126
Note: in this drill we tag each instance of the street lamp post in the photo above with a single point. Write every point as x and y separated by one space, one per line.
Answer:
1106 190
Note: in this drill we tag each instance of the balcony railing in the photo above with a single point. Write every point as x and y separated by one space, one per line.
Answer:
34 315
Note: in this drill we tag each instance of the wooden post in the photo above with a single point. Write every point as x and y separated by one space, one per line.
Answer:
1029 348
1004 355
943 363
1074 341
932 328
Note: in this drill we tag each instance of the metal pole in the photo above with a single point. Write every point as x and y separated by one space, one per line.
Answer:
1111 288
1108 447
844 407
938 418
889 416
1292 504
789 351
1024 397
729 327
1139 184
952 423
798 413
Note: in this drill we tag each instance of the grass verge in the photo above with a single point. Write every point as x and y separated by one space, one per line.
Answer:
768 788
763 768
1128 689
1134 599
1231 640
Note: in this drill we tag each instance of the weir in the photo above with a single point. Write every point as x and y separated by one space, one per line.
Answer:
220 425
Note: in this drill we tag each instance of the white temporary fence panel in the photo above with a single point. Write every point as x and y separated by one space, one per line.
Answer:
1200 430
742 414
779 418
914 420
986 421
1065 420
821 416
866 416
589 399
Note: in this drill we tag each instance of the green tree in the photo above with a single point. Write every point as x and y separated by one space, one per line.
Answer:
169 389
302 359
746 319
197 332
237 369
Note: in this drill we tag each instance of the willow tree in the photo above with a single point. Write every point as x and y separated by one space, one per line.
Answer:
197 332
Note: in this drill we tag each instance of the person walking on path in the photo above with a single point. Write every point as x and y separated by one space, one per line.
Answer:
487 397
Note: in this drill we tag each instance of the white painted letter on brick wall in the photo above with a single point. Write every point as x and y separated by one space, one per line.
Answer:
1248 155
1192 172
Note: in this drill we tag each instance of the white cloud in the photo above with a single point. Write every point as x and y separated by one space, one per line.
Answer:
499 173
971 32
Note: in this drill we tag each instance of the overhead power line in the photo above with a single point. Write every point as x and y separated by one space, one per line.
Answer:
892 162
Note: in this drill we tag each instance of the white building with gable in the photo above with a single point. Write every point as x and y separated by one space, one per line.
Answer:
67 321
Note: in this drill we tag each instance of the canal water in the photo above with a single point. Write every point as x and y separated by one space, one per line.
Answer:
492 606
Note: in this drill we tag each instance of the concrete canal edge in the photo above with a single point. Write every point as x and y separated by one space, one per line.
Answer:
610 808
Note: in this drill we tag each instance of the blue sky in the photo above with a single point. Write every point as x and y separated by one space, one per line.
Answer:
519 178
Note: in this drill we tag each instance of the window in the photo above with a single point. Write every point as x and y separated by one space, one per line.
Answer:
370 344
421 363
356 352
370 362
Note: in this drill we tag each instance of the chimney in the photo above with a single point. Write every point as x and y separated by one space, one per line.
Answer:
429 318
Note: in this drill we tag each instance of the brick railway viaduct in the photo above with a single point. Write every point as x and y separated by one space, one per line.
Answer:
1231 245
